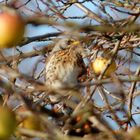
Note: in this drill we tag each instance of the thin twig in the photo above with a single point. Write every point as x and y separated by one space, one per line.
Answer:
132 89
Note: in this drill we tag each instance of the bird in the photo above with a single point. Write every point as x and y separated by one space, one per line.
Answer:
63 67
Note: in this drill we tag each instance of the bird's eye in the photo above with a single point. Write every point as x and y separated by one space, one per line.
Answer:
70 41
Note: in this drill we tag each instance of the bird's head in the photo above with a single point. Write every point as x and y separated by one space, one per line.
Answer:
74 45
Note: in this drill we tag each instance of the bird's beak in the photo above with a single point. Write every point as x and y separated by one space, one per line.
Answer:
76 43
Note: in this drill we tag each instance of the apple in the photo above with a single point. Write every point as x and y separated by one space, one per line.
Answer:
32 122
12 27
100 63
7 123
134 133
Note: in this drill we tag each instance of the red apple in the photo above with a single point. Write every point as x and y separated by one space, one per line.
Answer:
12 28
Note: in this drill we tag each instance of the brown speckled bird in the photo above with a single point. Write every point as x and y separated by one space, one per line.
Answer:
64 65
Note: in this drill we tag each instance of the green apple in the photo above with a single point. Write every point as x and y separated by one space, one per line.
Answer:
7 123
100 63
